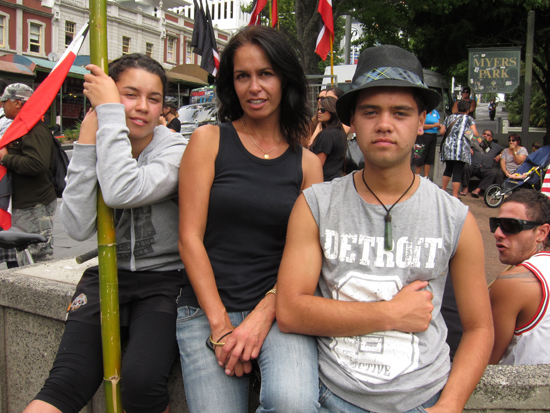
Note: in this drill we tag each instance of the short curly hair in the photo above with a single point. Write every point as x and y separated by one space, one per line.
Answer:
537 206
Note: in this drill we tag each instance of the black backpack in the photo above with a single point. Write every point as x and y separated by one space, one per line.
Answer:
60 167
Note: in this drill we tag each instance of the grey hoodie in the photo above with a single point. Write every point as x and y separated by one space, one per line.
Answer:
143 191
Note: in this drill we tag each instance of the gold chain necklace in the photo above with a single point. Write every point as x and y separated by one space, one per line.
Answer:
266 154
388 238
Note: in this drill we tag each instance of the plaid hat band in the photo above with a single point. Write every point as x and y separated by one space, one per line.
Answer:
395 73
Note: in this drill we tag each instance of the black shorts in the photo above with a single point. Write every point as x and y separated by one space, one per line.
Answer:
139 292
147 302
424 149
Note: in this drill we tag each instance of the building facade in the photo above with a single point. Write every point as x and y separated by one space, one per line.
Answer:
226 15
35 33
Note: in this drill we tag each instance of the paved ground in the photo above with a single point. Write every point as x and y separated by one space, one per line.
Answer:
481 212
65 246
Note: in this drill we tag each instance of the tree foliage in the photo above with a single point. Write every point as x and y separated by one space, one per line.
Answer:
439 32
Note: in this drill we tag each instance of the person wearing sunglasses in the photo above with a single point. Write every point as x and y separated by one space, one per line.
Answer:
315 127
519 295
482 166
512 157
331 144
467 97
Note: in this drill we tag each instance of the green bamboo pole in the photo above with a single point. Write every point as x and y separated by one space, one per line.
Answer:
106 241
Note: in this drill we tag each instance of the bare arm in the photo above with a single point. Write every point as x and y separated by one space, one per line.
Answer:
474 128
470 361
515 296
299 311
322 157
518 159
312 169
503 166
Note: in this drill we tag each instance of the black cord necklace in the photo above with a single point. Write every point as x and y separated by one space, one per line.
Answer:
388 239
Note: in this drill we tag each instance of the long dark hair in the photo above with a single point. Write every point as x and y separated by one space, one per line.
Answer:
138 61
294 119
329 103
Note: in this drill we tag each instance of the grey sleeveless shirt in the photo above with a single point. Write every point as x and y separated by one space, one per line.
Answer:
387 371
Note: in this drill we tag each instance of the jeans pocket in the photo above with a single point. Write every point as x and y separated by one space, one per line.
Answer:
324 393
188 313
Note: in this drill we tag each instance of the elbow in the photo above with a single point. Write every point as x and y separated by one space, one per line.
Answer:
286 317
285 324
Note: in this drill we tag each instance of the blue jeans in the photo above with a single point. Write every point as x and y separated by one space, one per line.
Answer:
288 365
331 403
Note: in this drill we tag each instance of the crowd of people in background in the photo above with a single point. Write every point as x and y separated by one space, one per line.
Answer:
279 265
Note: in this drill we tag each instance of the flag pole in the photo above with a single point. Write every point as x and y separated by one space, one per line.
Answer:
270 5
106 241
331 63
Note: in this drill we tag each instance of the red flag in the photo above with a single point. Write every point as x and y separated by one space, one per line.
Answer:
257 7
274 14
326 34
40 101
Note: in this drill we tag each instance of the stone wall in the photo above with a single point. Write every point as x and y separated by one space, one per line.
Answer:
33 301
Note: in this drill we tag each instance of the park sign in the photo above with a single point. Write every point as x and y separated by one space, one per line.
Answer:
494 70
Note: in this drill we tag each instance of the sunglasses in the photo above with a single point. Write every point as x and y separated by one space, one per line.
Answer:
486 134
465 91
510 226
512 140
321 110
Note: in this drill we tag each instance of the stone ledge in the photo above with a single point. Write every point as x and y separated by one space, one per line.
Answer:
33 302
512 388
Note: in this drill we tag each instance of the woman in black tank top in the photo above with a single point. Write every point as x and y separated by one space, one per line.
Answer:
332 143
238 183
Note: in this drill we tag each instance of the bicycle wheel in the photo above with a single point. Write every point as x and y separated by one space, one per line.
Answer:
493 196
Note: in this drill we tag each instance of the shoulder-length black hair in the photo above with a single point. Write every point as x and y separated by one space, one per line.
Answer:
329 103
138 61
295 115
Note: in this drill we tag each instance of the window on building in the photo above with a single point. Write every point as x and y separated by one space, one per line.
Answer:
225 10
171 49
149 49
231 10
3 20
188 52
219 10
213 8
70 29
35 38
125 45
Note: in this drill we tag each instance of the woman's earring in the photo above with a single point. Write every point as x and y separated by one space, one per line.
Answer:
420 130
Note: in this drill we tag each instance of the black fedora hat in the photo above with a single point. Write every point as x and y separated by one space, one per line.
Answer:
386 66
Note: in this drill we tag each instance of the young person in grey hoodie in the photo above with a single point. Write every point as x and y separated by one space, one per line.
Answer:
122 149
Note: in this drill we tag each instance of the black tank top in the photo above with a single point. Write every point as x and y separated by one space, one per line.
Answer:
250 203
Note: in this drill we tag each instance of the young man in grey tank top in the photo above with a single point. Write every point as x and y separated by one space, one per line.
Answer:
367 257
